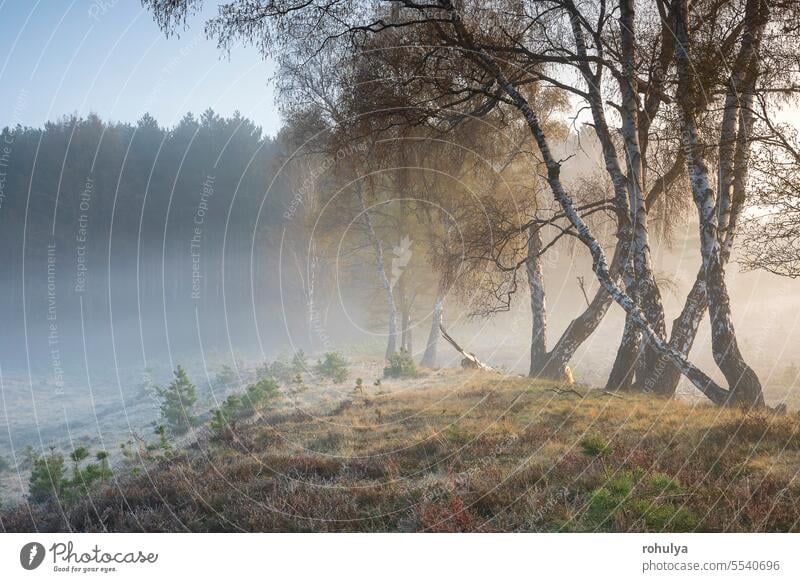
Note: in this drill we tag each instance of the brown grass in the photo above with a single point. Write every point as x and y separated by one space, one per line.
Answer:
469 452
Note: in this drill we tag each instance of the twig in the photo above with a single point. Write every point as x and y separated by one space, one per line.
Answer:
582 285
559 390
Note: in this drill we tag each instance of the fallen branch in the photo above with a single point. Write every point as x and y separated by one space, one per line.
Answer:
470 360
560 390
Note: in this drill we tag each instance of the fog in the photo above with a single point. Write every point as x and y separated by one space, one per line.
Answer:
130 249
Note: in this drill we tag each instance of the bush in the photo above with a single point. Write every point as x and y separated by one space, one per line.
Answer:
595 446
177 401
260 393
283 370
231 406
297 384
78 455
47 478
234 407
226 376
400 365
279 370
223 419
163 441
219 424
105 469
333 367
299 362
630 495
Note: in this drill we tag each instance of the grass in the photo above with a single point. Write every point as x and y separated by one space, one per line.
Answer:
466 451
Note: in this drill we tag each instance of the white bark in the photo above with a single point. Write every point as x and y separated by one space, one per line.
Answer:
533 268
684 328
745 388
391 344
470 360
599 265
580 328
429 358
645 288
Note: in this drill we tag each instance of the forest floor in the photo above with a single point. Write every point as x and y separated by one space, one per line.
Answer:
457 450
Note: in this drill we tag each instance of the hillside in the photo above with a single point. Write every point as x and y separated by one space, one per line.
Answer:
458 451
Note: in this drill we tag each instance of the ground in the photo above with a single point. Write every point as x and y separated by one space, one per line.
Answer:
458 451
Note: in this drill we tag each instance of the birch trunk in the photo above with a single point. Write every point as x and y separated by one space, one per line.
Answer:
533 268
311 305
578 331
391 343
407 342
665 377
646 290
599 265
744 385
429 358
623 370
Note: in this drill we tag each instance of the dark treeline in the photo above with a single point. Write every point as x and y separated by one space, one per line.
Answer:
137 222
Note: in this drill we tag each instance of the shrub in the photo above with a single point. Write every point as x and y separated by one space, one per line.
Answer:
78 455
262 371
333 367
163 441
234 407
662 483
224 418
601 506
177 401
226 376
105 469
84 477
400 365
605 501
279 370
219 424
298 384
628 495
299 362
665 516
595 446
47 477
231 406
260 393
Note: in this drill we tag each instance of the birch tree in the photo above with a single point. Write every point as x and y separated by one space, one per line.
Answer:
633 66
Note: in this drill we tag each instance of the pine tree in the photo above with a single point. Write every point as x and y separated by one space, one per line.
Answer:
177 401
47 478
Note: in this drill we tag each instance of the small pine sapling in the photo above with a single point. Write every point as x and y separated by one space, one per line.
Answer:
177 402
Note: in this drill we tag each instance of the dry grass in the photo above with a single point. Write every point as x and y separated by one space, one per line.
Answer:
464 451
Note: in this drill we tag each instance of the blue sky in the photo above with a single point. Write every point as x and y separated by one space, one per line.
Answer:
60 57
